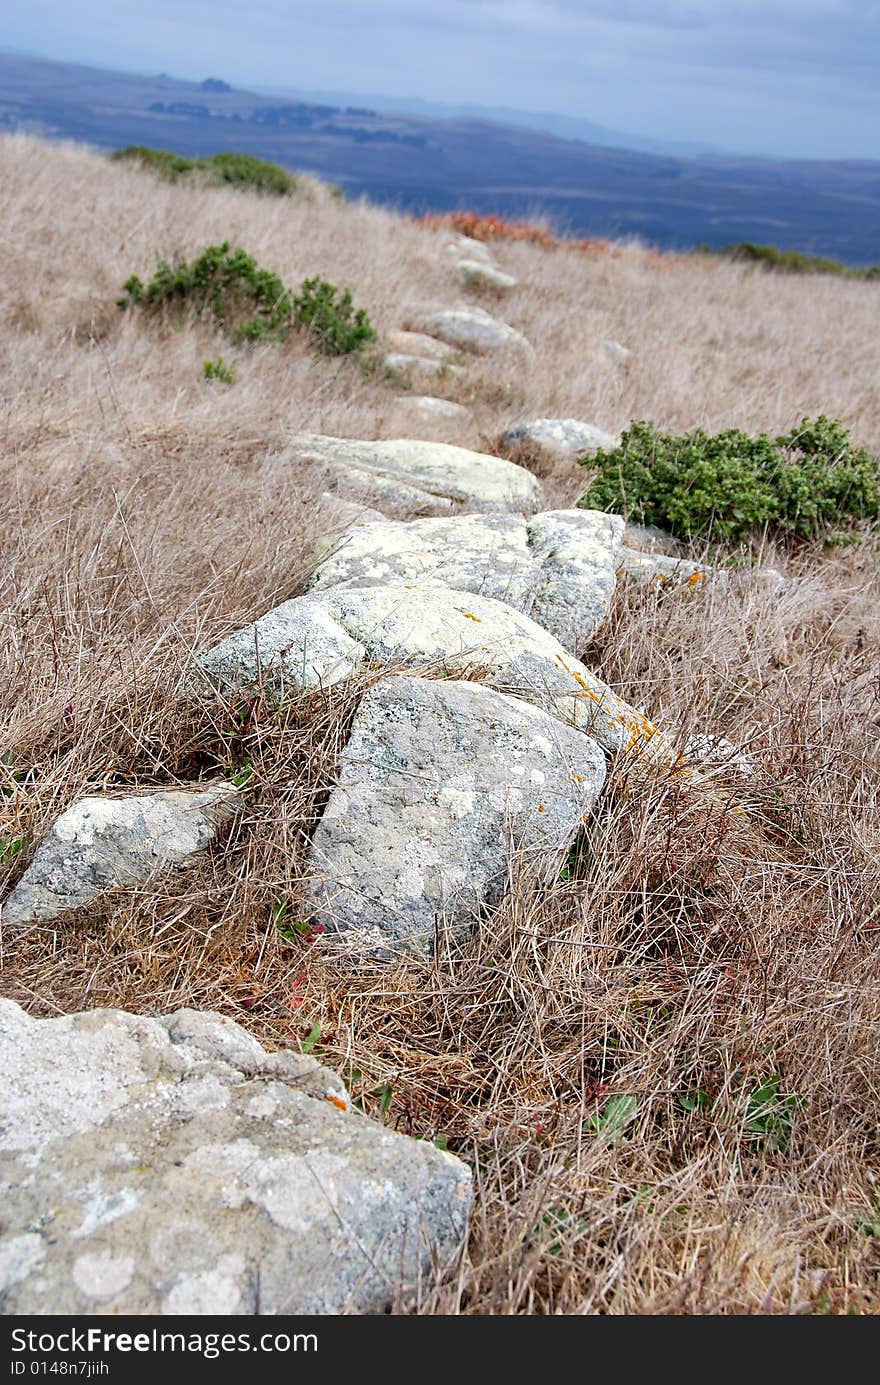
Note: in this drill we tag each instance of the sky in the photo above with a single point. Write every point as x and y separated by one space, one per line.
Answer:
774 77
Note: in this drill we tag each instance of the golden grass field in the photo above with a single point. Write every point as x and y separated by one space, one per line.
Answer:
717 970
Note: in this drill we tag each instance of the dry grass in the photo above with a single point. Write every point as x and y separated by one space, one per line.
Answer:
693 952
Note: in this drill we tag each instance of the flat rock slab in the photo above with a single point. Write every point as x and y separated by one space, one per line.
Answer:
437 472
172 1166
560 437
326 636
419 344
473 329
474 274
439 783
99 844
410 364
557 566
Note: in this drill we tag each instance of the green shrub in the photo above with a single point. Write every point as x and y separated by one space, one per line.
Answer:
245 301
219 370
249 303
327 313
792 261
242 170
726 485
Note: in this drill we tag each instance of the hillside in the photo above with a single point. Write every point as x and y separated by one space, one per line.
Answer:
659 1060
426 164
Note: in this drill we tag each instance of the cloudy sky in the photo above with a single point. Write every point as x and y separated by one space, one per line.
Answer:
799 77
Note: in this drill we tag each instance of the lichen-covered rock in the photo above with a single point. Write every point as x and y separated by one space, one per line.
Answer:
558 566
473 329
98 844
172 1166
666 568
474 274
325 636
438 472
439 782
347 513
559 437
427 407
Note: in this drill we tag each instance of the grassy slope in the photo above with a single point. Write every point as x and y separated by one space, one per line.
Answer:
146 512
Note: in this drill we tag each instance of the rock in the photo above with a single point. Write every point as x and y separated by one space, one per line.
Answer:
172 1166
438 783
473 274
559 566
424 365
419 344
98 844
559 437
431 418
616 351
662 567
326 636
433 471
466 247
474 329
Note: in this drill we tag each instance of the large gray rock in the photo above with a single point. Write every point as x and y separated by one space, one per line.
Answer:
473 274
473 329
439 783
98 844
326 636
557 566
172 1166
442 475
559 437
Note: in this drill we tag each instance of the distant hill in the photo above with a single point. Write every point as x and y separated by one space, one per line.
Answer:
423 163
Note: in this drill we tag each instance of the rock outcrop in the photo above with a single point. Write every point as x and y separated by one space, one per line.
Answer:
557 566
474 274
173 1166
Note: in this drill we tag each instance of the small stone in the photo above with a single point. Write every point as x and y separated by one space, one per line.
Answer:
419 344
475 275
663 568
426 365
99 844
616 351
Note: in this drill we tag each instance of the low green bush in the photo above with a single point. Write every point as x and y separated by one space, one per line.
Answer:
242 170
249 303
791 261
727 485
330 318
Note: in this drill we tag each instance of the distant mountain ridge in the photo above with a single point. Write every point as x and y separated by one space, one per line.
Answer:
422 163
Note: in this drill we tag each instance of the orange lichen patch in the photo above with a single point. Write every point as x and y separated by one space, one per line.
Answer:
467 615
340 1102
577 777
693 579
541 808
